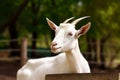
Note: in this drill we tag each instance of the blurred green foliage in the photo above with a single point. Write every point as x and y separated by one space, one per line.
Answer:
104 16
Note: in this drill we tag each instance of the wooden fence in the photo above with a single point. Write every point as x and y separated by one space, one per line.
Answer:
85 76
24 51
4 53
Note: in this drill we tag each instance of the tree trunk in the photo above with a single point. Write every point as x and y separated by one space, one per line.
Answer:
11 24
94 47
34 41
102 66
89 49
35 10
13 43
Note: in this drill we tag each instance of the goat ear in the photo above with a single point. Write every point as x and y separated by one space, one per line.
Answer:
52 25
83 30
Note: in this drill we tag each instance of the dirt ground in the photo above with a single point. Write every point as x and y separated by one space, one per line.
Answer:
8 70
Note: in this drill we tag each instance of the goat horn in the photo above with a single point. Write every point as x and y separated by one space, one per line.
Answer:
79 19
68 20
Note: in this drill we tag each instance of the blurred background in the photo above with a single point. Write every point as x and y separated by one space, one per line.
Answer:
25 34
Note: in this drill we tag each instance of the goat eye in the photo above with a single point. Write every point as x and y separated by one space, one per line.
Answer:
70 34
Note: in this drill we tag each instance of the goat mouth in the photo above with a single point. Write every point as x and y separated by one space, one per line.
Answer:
55 48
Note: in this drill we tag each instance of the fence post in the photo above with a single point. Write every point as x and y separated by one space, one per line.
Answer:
23 51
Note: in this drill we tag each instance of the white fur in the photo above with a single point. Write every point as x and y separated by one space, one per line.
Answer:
71 61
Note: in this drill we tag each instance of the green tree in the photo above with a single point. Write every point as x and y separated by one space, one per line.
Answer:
103 23
11 22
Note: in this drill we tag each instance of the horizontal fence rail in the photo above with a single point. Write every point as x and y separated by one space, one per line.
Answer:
25 51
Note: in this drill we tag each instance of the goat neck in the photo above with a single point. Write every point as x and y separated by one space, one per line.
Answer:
74 56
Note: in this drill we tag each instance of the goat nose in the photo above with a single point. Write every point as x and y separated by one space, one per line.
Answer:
54 43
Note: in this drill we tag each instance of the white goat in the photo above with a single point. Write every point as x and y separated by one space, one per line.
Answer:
71 61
